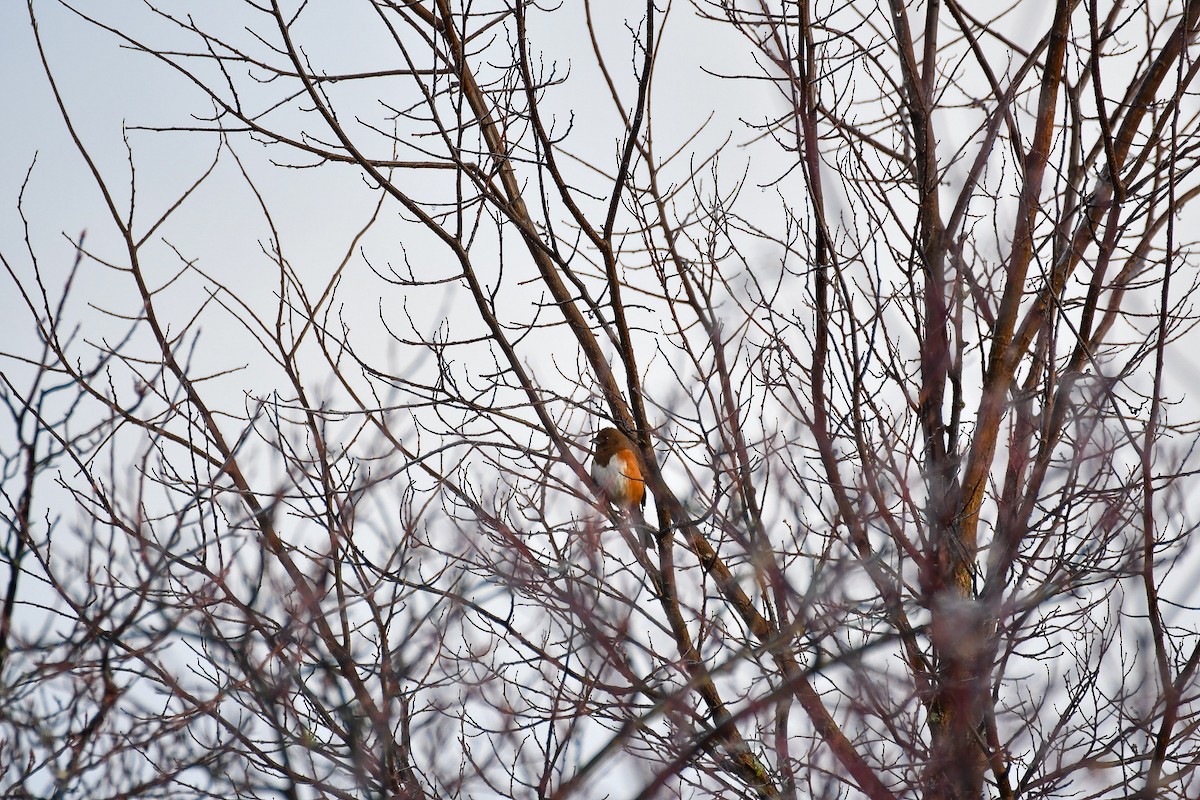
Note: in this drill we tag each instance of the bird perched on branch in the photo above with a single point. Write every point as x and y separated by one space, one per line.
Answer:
617 469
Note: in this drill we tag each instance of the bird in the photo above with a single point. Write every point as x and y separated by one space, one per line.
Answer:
617 470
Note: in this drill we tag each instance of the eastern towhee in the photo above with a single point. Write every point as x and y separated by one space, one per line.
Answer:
617 469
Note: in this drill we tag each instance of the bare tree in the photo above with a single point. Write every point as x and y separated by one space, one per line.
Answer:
905 357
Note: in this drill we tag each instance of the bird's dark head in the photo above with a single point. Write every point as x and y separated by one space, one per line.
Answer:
609 439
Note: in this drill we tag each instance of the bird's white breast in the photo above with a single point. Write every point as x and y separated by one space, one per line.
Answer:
610 478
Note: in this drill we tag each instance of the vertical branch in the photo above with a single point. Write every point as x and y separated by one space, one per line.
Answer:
1168 685
1003 357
